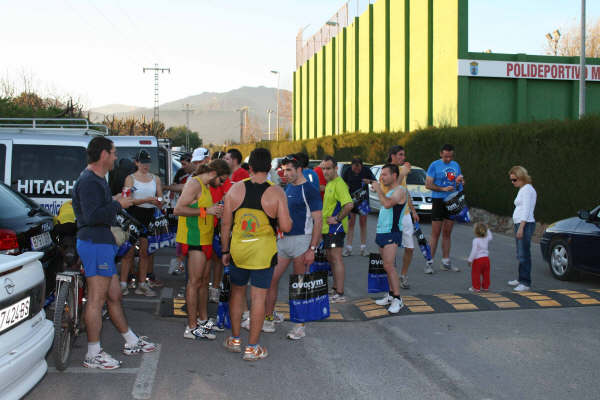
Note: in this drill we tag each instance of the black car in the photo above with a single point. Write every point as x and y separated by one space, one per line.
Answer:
573 245
25 226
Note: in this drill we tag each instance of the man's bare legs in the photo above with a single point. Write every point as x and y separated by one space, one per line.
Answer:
334 257
196 279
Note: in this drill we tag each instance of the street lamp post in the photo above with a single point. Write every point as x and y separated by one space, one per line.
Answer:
582 68
553 39
277 108
337 114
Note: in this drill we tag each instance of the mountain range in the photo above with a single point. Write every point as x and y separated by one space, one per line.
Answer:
215 116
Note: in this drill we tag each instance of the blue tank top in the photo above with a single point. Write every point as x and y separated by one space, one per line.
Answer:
390 219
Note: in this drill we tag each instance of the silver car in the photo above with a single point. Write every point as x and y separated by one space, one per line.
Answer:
415 182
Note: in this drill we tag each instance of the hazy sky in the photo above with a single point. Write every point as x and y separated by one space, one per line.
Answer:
95 50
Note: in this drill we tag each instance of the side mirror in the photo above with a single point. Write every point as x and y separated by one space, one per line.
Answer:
584 215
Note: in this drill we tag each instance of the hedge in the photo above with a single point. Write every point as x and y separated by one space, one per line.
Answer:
561 157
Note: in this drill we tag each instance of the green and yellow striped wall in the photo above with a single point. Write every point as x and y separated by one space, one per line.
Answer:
376 75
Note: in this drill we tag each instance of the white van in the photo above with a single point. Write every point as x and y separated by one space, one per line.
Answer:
25 333
42 158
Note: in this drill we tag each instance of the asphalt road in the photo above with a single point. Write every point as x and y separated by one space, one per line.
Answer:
541 353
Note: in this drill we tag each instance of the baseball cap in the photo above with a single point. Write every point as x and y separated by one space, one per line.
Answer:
143 157
199 154
186 157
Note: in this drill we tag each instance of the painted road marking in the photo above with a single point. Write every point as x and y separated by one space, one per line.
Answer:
84 370
366 308
142 388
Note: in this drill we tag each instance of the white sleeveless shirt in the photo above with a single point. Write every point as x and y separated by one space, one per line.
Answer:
144 190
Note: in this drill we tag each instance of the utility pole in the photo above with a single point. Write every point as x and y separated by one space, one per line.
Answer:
187 110
269 112
156 70
277 108
243 118
582 68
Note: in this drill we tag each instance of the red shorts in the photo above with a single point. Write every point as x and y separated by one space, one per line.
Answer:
207 249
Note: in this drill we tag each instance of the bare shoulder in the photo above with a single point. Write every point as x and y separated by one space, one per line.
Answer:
275 191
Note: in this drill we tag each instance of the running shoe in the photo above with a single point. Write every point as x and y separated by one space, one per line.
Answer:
153 282
385 300
246 324
347 251
124 290
145 290
198 333
268 324
174 266
428 267
233 345
337 298
101 360
472 289
254 353
521 288
447 266
364 252
142 346
278 317
210 324
297 332
132 284
404 282
397 304
514 282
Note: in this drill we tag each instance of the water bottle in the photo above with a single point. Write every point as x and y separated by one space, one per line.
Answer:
423 245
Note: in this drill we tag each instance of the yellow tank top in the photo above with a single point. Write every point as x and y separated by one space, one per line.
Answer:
196 230
253 240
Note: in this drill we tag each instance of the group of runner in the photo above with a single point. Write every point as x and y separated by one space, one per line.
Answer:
264 228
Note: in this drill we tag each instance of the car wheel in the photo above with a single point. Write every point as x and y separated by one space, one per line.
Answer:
561 264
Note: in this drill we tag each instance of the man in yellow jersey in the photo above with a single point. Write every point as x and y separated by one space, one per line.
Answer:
337 204
195 232
397 156
255 208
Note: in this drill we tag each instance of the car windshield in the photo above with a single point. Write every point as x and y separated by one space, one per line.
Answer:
416 177
11 204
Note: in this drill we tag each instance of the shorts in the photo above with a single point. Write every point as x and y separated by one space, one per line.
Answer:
438 212
333 240
408 230
143 215
205 248
260 278
293 246
383 239
97 258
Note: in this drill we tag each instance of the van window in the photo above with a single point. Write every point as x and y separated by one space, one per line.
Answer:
2 161
131 152
46 171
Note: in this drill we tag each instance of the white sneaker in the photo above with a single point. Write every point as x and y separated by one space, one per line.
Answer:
297 332
101 360
143 345
145 290
521 288
124 290
513 282
397 304
173 266
347 251
278 317
337 298
472 289
428 270
210 324
384 301
198 332
246 324
364 252
268 326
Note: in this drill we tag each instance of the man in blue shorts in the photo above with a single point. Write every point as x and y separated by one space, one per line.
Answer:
443 178
389 231
95 212
300 243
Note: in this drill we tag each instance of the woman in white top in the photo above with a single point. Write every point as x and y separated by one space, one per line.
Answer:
524 224
146 189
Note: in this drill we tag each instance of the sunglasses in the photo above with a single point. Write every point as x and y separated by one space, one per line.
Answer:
290 158
513 180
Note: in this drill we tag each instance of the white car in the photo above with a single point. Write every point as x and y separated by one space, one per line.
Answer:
415 182
25 333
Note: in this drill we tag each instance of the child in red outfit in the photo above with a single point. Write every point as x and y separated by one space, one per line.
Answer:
478 259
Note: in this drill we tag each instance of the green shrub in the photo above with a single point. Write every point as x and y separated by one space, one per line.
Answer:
560 156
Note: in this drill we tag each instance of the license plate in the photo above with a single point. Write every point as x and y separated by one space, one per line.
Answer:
13 314
426 207
40 241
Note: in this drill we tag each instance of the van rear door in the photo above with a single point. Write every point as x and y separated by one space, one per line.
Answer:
5 160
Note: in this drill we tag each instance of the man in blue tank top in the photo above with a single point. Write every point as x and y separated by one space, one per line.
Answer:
389 231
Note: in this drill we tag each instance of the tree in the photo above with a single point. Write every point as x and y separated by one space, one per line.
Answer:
569 43
178 134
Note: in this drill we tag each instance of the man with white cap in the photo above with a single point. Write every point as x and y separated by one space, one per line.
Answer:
200 156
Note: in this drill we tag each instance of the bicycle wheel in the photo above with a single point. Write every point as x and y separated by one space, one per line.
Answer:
64 321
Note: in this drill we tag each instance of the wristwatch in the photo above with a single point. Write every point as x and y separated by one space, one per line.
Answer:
313 248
